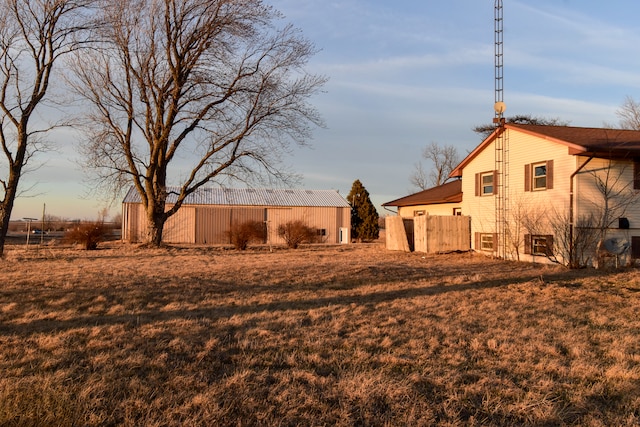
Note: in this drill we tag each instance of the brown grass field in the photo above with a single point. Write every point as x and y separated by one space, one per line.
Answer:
320 336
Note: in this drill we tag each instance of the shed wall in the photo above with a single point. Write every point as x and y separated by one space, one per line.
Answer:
204 224
181 226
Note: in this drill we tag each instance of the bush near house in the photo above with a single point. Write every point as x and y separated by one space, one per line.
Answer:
244 233
296 233
88 234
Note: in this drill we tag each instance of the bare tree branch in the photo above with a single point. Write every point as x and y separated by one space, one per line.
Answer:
189 92
33 36
629 114
442 159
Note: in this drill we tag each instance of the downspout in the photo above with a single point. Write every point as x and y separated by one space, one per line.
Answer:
387 209
571 205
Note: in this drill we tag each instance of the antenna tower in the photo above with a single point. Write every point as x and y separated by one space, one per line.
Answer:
501 141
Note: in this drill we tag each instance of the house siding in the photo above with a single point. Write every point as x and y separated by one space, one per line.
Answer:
621 176
443 209
482 208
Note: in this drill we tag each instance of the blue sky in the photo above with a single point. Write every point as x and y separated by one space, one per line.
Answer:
405 73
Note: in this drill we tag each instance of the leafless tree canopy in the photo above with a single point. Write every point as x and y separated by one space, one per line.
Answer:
212 87
442 160
33 36
629 114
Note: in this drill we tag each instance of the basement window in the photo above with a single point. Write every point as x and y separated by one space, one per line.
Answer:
541 244
486 242
321 231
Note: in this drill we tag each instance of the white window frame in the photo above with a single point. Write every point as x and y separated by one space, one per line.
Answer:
484 187
486 242
536 178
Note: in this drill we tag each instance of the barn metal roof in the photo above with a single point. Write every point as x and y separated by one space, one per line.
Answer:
251 197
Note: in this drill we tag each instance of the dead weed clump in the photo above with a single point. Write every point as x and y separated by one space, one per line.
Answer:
331 335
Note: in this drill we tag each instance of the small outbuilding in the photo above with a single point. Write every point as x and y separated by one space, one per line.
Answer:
207 215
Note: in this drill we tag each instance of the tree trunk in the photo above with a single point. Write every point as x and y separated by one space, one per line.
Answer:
6 206
5 216
155 223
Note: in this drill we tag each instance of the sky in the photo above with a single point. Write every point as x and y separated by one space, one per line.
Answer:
405 73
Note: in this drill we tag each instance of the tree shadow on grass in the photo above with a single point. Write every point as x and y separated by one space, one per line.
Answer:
175 294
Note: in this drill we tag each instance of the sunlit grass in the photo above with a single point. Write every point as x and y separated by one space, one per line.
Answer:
345 335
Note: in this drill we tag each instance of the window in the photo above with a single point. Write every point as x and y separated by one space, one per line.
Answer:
538 176
487 183
321 231
457 211
418 213
538 244
486 241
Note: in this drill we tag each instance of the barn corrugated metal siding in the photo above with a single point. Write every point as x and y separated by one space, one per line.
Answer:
209 223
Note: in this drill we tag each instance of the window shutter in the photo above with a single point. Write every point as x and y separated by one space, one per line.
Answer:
636 175
495 242
527 243
478 185
635 247
495 182
527 177
477 241
549 174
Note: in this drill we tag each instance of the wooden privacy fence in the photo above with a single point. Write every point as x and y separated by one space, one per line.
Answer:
429 234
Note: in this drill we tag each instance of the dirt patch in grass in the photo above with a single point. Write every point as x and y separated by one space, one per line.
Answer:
323 335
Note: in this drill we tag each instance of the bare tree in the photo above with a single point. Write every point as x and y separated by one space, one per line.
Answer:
523 217
418 177
613 196
33 36
615 193
574 246
629 114
188 92
443 159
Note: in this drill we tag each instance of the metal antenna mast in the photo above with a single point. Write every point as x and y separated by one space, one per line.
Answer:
499 54
501 141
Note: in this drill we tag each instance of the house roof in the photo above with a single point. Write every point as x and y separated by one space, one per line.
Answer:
597 142
451 192
251 197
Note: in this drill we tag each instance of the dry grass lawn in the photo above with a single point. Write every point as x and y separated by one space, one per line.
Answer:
348 335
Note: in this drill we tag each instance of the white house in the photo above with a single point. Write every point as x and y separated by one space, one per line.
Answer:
549 193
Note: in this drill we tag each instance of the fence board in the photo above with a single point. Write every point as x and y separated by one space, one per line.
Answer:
437 234
395 234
